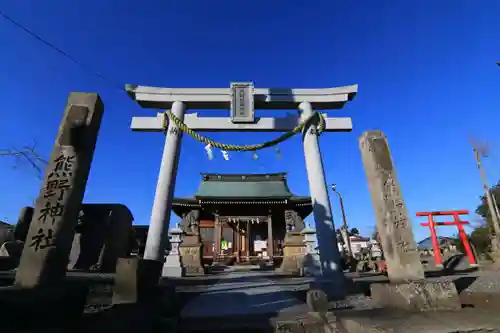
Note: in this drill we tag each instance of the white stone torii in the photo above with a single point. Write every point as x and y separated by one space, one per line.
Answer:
305 100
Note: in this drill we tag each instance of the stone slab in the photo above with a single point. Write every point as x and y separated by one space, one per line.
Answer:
393 222
23 223
135 280
416 296
48 244
385 320
191 259
125 289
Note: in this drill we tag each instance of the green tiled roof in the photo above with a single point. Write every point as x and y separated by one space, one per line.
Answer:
244 186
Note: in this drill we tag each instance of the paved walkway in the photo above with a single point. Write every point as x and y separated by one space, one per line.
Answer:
246 293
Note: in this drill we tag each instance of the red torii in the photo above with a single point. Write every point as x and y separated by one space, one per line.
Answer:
461 232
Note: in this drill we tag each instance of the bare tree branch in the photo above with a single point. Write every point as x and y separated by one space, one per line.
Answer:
481 147
26 154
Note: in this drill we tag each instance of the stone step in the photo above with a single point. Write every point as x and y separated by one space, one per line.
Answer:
290 322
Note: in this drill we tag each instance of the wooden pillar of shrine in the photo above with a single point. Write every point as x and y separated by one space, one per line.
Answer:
248 239
237 241
270 241
217 237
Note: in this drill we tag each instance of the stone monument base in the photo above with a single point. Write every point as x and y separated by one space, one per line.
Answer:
293 253
191 255
416 296
312 264
334 285
172 267
136 280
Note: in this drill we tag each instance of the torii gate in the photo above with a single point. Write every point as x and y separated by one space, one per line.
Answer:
241 98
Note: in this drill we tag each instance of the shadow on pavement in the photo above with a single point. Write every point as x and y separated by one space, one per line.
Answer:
241 312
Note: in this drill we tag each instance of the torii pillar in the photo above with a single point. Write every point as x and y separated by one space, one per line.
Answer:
306 100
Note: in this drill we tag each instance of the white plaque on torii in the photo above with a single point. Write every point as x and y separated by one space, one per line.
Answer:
242 108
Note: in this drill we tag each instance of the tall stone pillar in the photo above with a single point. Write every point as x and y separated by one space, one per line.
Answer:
322 211
160 217
23 223
393 223
48 242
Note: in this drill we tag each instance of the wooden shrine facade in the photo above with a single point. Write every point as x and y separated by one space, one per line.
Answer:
244 216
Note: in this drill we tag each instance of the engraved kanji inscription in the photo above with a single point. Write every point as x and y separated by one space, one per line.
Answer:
44 238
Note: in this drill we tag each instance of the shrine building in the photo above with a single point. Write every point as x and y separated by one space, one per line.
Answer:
241 213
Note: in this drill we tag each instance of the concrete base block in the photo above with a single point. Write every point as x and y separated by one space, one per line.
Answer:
135 280
312 264
172 266
416 296
333 287
172 271
294 252
292 264
125 287
191 258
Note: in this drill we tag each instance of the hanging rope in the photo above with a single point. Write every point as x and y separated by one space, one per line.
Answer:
254 147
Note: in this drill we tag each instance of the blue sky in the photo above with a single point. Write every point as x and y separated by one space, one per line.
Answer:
426 73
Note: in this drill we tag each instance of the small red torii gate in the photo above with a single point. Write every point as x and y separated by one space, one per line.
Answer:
461 232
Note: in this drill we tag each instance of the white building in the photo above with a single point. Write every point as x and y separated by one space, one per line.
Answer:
359 242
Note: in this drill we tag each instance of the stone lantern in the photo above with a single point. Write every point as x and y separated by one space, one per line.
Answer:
172 266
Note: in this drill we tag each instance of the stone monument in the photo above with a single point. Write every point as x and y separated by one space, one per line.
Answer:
294 249
12 249
172 266
408 289
101 237
48 242
393 223
191 247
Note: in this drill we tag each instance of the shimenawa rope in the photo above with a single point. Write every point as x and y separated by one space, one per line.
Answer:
229 147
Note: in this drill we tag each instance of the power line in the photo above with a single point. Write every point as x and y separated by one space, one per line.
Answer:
61 51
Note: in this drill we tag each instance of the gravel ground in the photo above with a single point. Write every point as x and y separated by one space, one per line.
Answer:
485 282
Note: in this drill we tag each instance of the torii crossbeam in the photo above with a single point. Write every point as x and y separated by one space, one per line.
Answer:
242 99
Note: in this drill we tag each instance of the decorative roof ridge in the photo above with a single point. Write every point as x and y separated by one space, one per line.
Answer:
243 174
234 177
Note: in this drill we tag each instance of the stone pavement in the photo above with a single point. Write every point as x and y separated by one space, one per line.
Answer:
381 320
256 301
246 293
